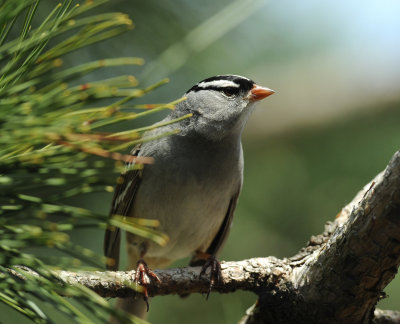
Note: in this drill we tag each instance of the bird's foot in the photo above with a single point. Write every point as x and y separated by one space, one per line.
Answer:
215 271
143 276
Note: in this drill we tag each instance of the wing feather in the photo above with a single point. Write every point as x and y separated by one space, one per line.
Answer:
122 201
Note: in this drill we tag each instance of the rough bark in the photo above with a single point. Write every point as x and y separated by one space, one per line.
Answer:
254 274
337 278
340 276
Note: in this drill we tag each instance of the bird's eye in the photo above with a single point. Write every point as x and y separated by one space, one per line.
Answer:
229 92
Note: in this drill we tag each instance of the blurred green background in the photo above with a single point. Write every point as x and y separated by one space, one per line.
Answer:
332 125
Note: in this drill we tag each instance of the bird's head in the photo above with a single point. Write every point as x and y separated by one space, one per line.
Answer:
221 105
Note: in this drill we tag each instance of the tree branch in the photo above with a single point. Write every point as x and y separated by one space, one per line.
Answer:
337 278
253 275
340 275
386 317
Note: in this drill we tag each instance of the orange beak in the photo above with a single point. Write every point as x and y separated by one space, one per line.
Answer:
259 93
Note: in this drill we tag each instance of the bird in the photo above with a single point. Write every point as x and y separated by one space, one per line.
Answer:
193 186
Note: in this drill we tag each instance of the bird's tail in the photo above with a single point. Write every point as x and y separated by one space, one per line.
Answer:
136 307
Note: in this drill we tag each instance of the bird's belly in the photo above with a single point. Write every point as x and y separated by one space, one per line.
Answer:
190 214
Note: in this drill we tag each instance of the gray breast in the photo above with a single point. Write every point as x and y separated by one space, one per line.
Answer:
188 192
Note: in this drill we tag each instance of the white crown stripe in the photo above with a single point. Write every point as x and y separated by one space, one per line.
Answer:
218 84
239 77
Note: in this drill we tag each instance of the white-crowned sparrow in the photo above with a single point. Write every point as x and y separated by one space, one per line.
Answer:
194 183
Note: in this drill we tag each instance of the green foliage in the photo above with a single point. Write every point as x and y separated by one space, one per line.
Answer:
53 146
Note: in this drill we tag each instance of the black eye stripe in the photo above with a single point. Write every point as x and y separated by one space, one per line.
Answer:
220 89
230 90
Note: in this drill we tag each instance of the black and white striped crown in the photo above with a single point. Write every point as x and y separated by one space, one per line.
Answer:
232 83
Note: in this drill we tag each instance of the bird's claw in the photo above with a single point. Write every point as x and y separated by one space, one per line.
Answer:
215 272
143 275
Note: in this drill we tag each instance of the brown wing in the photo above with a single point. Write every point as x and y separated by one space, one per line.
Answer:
219 240
125 191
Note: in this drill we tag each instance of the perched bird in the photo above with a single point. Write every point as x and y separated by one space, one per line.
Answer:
193 185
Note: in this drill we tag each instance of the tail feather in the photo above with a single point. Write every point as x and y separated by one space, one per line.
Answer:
136 307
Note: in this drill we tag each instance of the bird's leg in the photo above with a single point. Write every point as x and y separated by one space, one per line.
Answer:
143 275
215 269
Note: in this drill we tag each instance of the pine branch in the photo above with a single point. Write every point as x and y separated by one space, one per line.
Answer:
54 146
